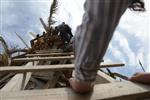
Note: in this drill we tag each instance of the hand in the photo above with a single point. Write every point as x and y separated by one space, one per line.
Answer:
141 77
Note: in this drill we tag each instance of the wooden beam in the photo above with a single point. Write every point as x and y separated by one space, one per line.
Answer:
52 81
6 77
44 25
103 78
108 91
22 69
19 81
49 54
49 51
42 58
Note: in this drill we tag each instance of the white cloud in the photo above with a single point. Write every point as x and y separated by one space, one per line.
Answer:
22 17
136 27
135 24
108 60
124 48
73 11
114 54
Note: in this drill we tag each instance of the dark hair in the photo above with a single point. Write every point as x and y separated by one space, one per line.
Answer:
37 35
137 5
63 22
44 33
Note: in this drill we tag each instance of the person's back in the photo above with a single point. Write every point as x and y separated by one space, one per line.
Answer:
63 29
68 31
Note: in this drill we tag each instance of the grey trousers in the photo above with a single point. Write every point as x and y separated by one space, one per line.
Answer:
94 34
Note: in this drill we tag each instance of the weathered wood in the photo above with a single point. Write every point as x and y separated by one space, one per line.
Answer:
44 25
18 82
121 76
103 78
37 84
49 54
24 81
108 91
6 77
42 58
52 81
49 51
40 68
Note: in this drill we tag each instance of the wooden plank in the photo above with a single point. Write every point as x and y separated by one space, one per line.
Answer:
49 54
44 25
52 81
22 69
109 91
103 78
49 51
6 77
19 81
42 58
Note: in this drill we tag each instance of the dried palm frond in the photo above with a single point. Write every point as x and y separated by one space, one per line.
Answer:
22 40
4 44
5 59
4 55
53 10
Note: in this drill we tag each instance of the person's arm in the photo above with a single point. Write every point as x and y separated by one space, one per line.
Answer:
68 30
141 77
92 39
70 33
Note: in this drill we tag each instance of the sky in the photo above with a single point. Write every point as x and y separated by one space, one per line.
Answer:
130 43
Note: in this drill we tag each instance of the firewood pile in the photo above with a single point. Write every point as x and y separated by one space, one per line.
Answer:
53 42
47 43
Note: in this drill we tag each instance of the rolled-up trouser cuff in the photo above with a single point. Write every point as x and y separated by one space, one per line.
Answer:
85 75
94 34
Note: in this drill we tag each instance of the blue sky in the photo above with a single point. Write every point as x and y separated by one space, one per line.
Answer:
131 40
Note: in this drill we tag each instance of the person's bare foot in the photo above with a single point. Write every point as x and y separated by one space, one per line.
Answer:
141 77
80 87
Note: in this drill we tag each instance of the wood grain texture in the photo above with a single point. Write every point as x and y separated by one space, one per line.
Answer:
49 51
109 91
42 58
49 54
103 78
19 81
40 68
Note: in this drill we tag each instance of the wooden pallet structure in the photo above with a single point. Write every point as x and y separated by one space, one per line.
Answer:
106 88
